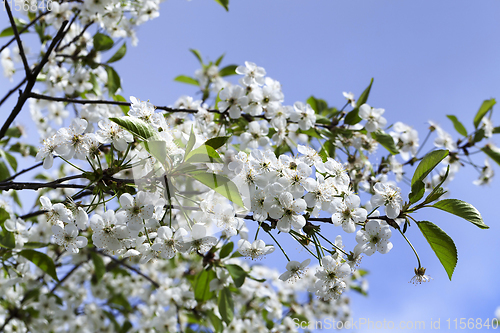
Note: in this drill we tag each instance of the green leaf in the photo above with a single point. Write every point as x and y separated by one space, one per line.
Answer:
99 267
228 70
4 171
485 107
437 191
216 321
352 117
238 274
202 291
4 215
461 209
479 135
226 250
136 126
10 32
428 163
492 153
120 98
43 261
219 60
318 105
119 54
496 130
217 142
386 141
114 81
223 3
203 154
191 142
442 244
197 54
458 125
220 184
14 132
187 79
226 305
102 42
35 245
11 159
121 301
157 148
417 191
328 150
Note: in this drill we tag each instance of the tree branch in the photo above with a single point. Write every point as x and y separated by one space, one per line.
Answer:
12 91
120 262
32 80
18 39
23 30
22 171
5 186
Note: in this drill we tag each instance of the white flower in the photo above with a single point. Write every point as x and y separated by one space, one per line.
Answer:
486 175
73 141
347 213
134 210
108 231
350 98
373 117
288 212
294 269
198 240
167 242
253 74
255 250
304 115
57 212
233 99
374 237
388 196
68 237
46 152
112 133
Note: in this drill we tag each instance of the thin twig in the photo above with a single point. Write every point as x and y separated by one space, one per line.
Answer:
12 91
22 171
120 262
26 27
18 39
32 80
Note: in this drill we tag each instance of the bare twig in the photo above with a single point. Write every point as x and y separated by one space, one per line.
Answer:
22 171
12 91
32 80
18 39
120 262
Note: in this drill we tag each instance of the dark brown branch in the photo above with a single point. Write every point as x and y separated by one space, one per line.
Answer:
59 49
18 39
22 171
23 30
32 80
5 186
12 91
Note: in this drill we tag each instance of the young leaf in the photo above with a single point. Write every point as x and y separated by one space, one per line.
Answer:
120 98
4 171
223 3
352 117
485 107
386 141
219 60
226 305
317 105
442 244
203 154
216 322
114 81
492 152
228 70
7 239
217 142
187 79
197 54
43 261
9 32
191 142
220 184
119 54
428 163
458 125
99 267
102 42
202 291
417 191
136 126
237 273
226 250
461 209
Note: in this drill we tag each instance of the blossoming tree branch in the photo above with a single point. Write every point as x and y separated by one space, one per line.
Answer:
147 214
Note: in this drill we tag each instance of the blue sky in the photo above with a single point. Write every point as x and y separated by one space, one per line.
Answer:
428 59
